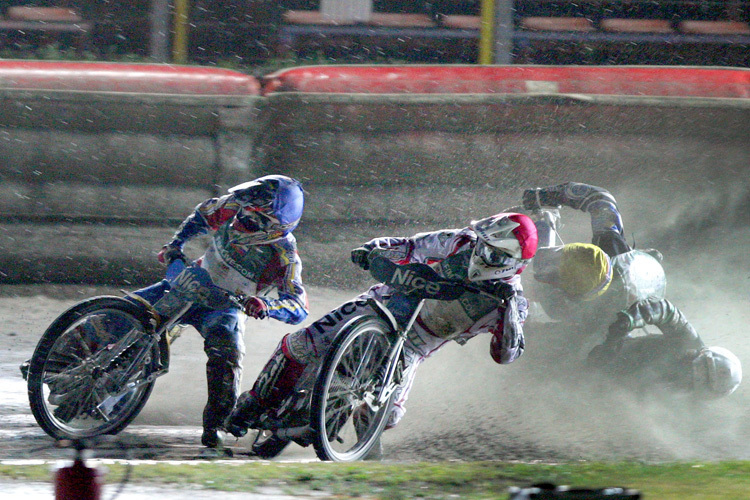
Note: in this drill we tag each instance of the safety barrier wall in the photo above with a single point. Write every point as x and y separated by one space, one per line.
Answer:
100 161
462 79
112 141
381 160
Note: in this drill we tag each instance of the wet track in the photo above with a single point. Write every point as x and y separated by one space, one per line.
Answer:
462 407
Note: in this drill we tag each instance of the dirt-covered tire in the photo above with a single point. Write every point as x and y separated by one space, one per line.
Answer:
352 371
76 388
268 446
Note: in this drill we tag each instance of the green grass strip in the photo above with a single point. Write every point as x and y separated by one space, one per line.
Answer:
465 480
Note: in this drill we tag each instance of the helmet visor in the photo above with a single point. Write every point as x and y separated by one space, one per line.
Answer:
492 256
259 219
702 365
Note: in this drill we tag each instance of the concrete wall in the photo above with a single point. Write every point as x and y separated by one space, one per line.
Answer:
372 163
396 164
99 163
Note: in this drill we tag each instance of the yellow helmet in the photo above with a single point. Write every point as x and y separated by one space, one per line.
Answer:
585 271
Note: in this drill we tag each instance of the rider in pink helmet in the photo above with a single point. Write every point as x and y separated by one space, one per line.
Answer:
491 252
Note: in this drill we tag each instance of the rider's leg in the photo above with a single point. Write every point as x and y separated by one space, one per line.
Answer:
295 351
361 418
223 333
275 382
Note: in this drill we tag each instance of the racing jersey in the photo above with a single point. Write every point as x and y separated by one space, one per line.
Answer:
238 263
448 253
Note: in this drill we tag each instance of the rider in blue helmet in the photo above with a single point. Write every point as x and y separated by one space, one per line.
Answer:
252 252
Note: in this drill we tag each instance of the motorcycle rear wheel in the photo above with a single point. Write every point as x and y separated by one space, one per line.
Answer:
350 377
77 387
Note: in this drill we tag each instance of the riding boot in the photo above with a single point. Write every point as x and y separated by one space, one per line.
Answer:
244 415
223 382
275 382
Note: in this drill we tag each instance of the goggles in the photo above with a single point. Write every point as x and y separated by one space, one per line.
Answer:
257 218
494 257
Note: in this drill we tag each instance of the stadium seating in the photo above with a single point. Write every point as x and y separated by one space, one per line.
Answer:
556 24
46 24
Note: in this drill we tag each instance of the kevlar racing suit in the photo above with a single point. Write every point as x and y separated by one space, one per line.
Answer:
649 361
240 262
636 274
439 322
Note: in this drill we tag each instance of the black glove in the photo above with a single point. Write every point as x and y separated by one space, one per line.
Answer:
531 199
503 291
550 196
361 257
619 329
169 254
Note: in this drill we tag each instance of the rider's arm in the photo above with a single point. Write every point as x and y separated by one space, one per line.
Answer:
661 313
508 342
423 247
606 221
291 306
208 216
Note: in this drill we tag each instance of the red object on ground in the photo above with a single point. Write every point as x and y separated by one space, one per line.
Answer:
125 78
476 79
78 482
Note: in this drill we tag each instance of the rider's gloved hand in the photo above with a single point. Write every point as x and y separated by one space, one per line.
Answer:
360 256
168 253
256 308
503 290
531 200
619 329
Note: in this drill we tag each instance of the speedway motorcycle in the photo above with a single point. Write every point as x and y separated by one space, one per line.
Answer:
95 366
341 405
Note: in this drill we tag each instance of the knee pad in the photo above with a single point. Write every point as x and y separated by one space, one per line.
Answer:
278 377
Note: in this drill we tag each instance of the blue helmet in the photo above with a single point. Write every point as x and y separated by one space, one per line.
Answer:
270 206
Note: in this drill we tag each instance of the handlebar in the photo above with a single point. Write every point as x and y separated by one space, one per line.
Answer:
194 284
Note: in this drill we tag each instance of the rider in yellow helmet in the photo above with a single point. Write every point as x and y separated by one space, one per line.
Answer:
586 284
585 270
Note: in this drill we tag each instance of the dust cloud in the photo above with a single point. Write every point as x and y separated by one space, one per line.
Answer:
544 407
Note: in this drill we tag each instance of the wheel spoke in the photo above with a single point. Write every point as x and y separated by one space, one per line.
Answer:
336 417
361 355
350 385
92 363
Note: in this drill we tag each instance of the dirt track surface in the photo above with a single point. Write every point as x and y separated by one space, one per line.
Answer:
463 406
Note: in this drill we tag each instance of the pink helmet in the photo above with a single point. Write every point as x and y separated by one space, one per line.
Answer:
505 244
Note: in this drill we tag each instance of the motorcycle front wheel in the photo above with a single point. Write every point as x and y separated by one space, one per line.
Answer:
345 417
89 374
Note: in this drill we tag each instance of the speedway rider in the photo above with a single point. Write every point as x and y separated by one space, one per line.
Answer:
491 252
252 252
590 285
677 360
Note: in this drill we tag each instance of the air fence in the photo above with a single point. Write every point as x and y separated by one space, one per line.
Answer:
101 162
